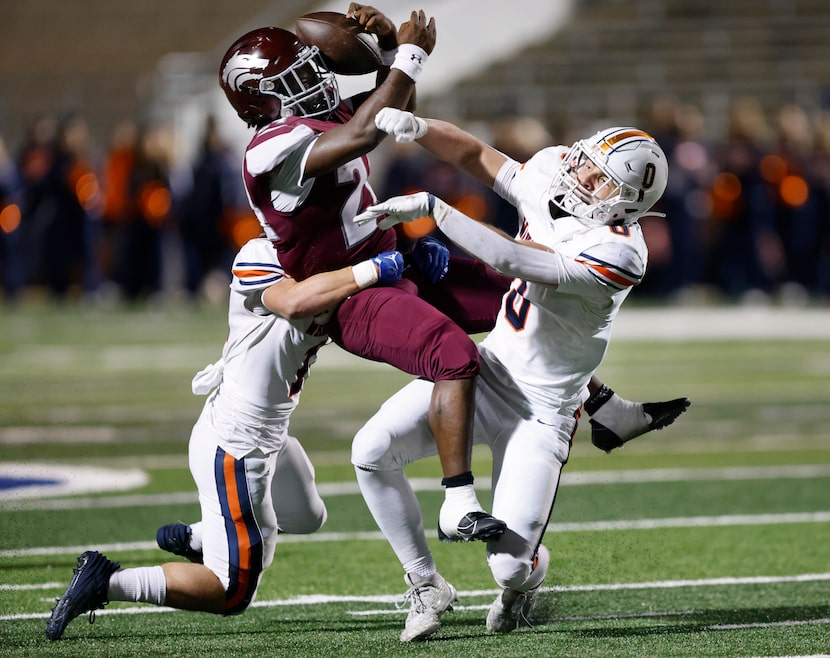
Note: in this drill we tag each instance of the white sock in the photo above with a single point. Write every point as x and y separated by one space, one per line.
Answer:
623 417
142 584
421 571
196 536
458 501
418 579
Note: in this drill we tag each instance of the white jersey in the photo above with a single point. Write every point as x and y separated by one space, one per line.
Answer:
265 360
548 340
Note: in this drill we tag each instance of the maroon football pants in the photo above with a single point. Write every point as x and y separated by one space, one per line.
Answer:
421 328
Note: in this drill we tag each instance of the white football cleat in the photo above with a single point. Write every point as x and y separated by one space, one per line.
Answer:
428 602
510 608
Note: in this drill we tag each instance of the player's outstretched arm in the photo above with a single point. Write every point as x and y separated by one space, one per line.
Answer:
517 258
445 141
303 299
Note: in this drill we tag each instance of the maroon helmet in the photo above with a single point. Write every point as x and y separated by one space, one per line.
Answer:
268 74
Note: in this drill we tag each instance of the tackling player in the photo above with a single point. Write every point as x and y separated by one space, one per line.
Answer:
579 253
306 175
252 476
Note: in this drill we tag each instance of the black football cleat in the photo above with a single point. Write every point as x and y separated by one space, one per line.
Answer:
87 592
475 526
662 415
175 538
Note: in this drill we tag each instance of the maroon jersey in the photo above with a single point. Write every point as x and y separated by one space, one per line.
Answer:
310 222
311 225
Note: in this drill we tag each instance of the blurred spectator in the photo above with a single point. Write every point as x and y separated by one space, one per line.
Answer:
747 217
84 184
745 253
59 191
10 232
789 169
147 210
35 161
821 175
663 120
207 209
117 201
676 250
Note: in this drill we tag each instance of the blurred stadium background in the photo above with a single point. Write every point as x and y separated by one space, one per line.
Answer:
120 199
737 93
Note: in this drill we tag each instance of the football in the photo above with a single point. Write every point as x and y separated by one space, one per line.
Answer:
346 47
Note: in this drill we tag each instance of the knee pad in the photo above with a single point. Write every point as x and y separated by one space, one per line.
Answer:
398 433
315 520
308 524
509 570
519 573
371 449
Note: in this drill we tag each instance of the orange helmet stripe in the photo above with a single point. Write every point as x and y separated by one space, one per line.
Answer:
609 142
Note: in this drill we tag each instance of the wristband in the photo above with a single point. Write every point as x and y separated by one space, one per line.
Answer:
388 56
410 59
365 274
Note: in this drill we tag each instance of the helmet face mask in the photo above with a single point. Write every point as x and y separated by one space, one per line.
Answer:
268 74
304 89
627 171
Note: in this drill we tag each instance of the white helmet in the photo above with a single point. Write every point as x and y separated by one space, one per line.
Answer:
633 177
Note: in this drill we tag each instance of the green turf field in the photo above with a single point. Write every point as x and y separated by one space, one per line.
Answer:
710 538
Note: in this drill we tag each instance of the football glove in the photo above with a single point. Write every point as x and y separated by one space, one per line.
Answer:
390 266
398 210
404 126
431 257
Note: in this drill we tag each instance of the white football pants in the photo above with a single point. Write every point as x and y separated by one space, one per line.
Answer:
244 503
528 456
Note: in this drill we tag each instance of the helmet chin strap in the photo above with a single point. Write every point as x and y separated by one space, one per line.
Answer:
651 213
561 209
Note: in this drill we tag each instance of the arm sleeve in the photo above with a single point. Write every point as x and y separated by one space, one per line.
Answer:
512 258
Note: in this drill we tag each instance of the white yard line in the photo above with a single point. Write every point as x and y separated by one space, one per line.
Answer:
572 478
744 323
322 599
586 526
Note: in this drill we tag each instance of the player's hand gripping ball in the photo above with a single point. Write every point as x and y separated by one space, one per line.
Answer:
346 47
